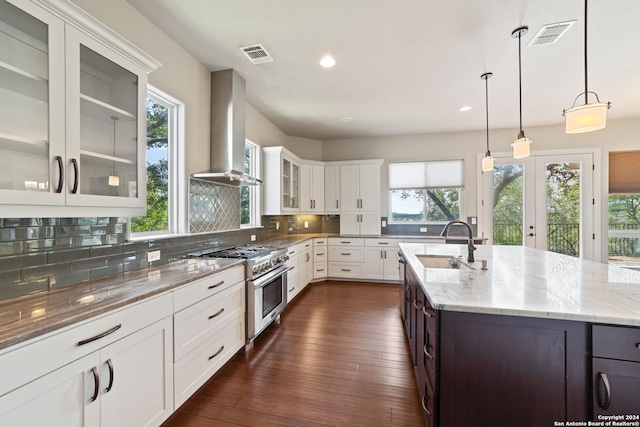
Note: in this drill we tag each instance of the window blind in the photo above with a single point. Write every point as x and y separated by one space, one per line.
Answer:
624 172
435 174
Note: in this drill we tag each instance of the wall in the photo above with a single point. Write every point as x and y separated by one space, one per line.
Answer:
619 135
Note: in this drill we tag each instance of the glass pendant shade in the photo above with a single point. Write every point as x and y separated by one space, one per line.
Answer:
521 147
487 162
114 180
586 118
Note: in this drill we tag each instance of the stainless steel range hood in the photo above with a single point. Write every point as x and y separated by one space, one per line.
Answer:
227 131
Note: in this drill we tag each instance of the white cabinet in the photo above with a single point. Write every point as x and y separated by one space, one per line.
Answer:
307 261
112 371
319 258
346 258
301 267
332 189
281 181
381 262
312 187
72 120
209 328
360 198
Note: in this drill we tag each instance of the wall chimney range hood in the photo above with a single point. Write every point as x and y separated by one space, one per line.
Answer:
227 135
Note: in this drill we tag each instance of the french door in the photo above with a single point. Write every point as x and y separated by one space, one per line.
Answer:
544 201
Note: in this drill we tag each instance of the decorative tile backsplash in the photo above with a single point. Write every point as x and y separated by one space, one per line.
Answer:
213 207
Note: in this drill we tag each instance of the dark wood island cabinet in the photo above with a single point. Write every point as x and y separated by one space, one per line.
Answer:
481 369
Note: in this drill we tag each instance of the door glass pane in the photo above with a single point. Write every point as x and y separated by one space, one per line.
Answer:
295 186
624 229
24 101
508 204
108 127
563 208
286 183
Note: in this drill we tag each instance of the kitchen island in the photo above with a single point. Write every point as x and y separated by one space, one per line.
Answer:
535 339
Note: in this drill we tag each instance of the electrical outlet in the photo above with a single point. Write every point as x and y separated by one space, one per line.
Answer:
153 256
474 220
423 229
253 237
384 224
306 224
277 225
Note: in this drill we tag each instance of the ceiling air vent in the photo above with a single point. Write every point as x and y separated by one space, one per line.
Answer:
256 53
550 33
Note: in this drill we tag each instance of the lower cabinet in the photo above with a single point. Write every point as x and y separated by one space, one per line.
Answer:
479 369
128 382
616 371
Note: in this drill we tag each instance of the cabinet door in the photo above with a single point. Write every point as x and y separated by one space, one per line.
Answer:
306 198
369 224
391 265
616 385
32 134
332 189
349 189
369 181
137 378
373 263
290 185
106 125
307 258
66 397
349 224
317 188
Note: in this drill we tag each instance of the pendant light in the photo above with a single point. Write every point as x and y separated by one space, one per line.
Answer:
487 160
114 180
587 117
521 144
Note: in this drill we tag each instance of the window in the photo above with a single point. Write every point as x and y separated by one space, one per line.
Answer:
249 202
163 170
624 208
425 192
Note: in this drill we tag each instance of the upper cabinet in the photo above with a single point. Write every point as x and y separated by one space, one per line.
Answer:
332 189
360 198
281 181
311 187
72 119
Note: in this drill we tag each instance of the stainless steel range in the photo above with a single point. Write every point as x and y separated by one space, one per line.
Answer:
266 274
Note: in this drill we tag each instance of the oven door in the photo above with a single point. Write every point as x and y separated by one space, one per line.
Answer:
266 298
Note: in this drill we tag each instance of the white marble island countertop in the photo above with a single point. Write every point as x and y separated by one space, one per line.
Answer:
528 282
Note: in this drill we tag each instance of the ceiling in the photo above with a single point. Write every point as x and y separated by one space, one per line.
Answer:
407 66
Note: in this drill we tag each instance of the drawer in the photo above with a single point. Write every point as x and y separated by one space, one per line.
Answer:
616 342
346 270
189 294
294 250
196 323
319 242
345 241
320 253
197 366
346 254
35 358
382 243
294 264
293 286
319 270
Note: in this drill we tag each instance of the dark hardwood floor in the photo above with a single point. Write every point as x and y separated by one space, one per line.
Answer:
338 357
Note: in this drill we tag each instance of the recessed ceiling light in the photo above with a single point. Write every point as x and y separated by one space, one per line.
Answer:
466 108
347 119
327 62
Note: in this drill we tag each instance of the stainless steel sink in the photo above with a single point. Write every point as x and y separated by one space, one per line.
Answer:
445 262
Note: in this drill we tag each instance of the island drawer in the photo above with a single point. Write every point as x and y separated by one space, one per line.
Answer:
616 342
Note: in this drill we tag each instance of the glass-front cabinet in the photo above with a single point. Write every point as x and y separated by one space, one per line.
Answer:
290 184
72 116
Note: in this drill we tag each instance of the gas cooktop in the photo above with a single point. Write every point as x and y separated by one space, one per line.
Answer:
242 251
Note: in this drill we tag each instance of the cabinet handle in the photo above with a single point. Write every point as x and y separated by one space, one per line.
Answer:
320 269
607 391
96 382
76 172
345 269
102 335
292 289
426 313
385 254
110 385
320 254
638 346
415 304
348 242
336 204
216 353
291 268
292 252
383 243
381 254
308 257
424 405
61 171
216 285
426 353
217 314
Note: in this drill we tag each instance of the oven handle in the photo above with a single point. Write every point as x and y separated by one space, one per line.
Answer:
267 278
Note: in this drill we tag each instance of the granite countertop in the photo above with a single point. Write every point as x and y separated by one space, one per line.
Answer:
30 316
528 282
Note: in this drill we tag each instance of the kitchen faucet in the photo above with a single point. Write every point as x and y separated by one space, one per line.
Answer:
471 247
